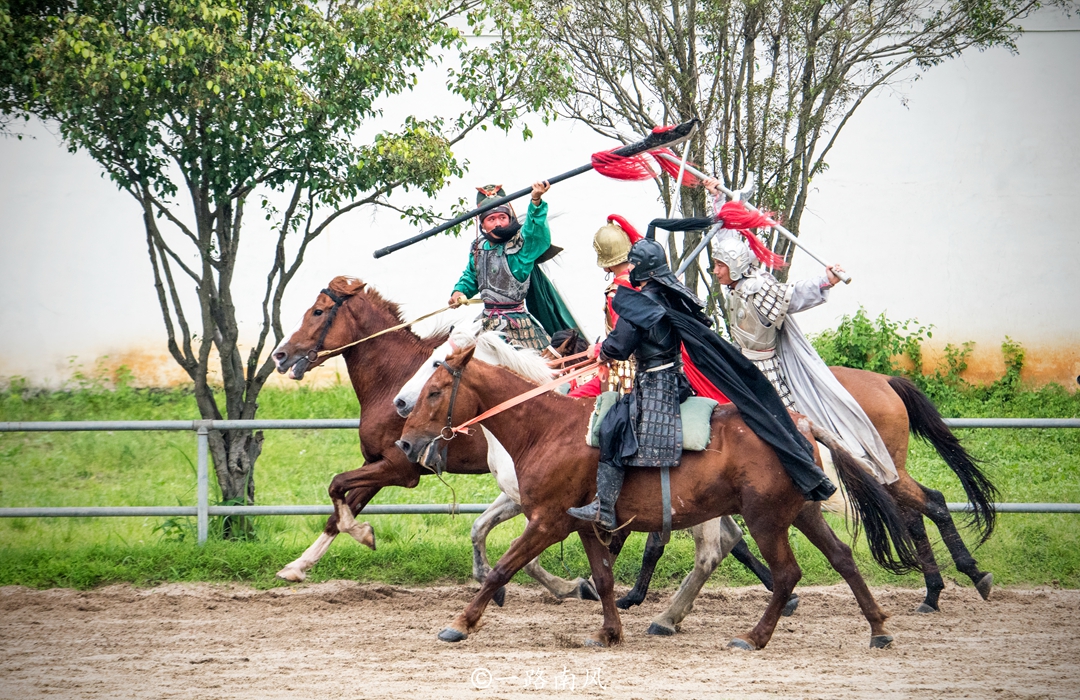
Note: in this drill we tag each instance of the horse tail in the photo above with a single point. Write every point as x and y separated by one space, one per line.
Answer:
927 424
890 542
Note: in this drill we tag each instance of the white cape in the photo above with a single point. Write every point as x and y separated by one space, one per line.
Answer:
819 395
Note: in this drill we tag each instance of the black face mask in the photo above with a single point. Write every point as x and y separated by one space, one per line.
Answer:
501 234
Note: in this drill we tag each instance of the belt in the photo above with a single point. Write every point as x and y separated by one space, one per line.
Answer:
657 369
492 309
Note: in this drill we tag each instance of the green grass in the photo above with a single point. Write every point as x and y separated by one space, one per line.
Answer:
126 468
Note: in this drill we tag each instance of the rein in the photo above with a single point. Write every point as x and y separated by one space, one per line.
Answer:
316 353
509 403
559 361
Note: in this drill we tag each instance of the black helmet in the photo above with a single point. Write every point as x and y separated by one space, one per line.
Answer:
649 261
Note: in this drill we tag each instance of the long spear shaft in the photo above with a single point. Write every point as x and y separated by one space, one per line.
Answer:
650 142
777 227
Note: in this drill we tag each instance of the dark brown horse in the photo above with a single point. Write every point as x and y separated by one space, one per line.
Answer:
897 408
346 311
738 473
723 538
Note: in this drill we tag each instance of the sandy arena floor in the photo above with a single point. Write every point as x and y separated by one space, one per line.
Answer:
344 640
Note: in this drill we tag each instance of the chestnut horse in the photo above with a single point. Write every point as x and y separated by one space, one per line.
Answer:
714 542
344 312
896 407
738 473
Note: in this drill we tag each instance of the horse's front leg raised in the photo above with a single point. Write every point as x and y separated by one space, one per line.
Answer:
537 537
350 492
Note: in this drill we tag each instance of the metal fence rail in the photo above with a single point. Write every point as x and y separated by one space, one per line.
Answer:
203 510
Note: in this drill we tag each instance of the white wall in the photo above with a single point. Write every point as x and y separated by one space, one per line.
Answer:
957 208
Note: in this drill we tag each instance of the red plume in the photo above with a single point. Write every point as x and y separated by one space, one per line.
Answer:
618 167
672 169
639 167
737 217
631 232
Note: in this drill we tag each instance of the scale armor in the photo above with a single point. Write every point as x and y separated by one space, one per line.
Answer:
659 423
499 288
756 312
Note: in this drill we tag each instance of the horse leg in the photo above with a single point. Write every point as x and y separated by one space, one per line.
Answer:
601 560
771 535
743 555
561 588
296 571
813 525
654 549
937 510
931 572
500 510
350 492
537 537
713 540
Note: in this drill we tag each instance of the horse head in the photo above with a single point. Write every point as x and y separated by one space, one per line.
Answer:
335 319
461 336
491 347
445 401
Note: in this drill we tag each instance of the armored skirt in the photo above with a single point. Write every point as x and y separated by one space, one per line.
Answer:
519 329
658 424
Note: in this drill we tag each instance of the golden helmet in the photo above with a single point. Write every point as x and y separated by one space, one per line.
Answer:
612 242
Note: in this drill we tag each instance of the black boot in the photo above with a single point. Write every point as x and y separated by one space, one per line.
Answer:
609 481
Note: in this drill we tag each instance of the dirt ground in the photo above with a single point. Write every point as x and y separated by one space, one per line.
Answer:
345 640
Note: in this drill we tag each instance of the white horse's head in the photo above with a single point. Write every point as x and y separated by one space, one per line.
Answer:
491 347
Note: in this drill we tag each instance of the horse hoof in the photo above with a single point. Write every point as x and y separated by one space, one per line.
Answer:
500 597
881 641
586 591
660 630
926 608
984 585
791 606
452 635
628 601
740 644
291 574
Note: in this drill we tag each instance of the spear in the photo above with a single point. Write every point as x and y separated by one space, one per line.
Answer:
671 158
612 163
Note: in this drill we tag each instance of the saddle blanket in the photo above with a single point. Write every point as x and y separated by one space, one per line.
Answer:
696 414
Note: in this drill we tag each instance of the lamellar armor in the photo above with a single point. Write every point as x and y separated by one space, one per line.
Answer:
756 312
504 296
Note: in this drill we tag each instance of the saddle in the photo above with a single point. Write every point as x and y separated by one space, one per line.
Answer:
696 414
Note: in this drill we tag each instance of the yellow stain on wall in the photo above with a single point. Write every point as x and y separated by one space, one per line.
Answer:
151 367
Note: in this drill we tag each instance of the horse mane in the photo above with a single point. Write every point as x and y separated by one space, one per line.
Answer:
491 347
346 286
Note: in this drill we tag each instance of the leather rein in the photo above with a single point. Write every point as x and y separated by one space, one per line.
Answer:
316 352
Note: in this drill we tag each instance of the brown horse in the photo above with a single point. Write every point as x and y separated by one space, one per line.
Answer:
896 407
344 312
738 473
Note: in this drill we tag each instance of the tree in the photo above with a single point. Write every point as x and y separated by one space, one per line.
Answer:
774 82
217 102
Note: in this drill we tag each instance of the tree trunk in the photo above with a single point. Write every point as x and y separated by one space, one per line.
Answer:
234 453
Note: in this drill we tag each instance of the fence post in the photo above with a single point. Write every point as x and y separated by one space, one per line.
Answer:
203 506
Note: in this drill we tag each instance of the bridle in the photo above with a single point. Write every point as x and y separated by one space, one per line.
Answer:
313 354
436 451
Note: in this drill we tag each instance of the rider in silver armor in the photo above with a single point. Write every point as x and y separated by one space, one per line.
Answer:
758 309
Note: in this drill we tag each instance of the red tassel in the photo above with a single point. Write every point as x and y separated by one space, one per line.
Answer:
737 217
618 167
672 169
631 232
